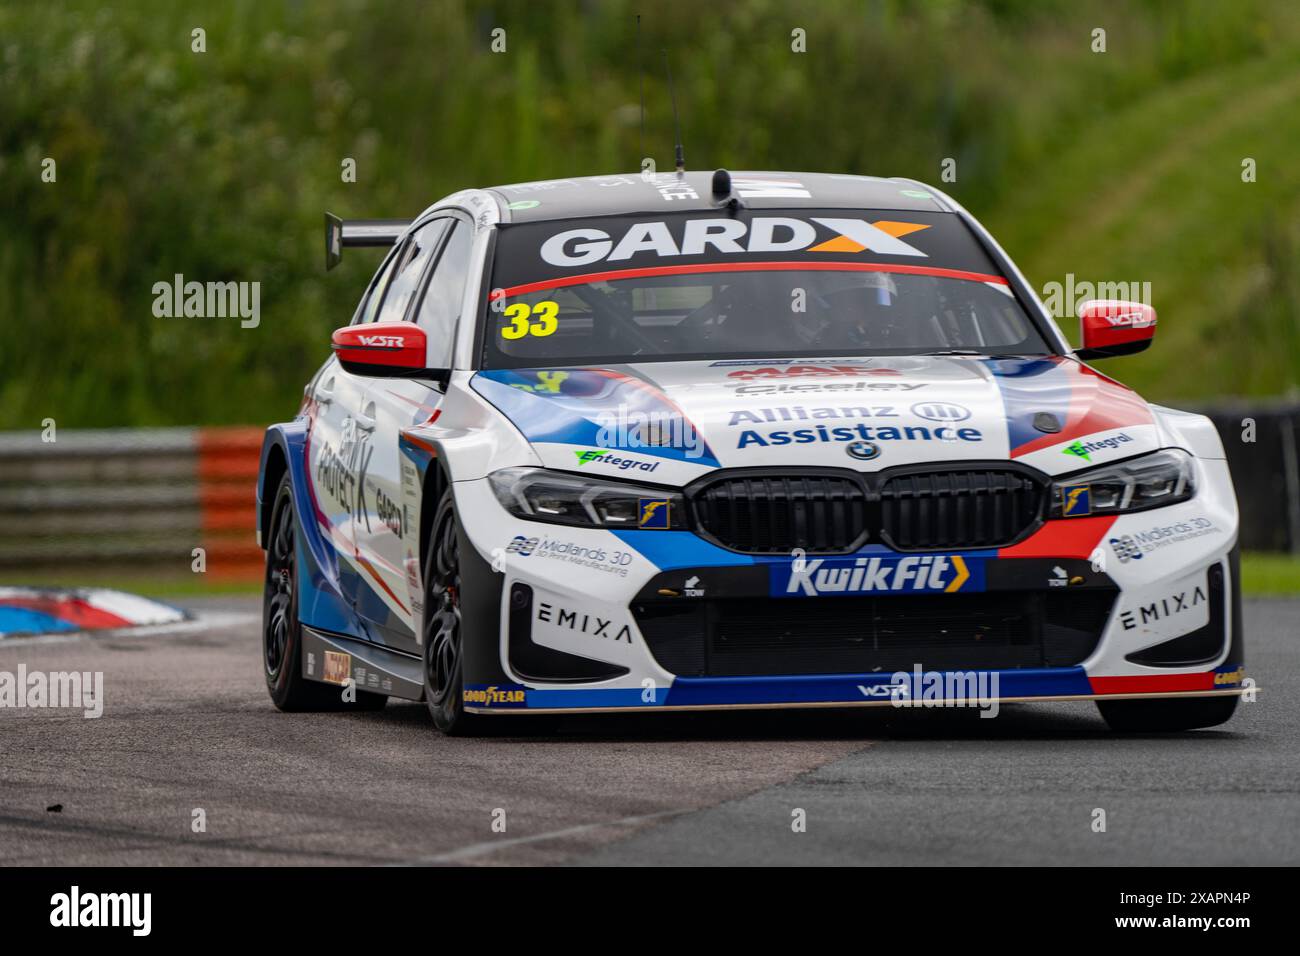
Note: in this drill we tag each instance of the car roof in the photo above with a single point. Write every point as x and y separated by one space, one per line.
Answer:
633 193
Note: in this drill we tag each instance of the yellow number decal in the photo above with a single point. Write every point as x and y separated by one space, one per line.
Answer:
518 316
548 319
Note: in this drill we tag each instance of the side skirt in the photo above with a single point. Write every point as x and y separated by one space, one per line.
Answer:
375 669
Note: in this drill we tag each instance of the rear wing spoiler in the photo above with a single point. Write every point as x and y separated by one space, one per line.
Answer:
380 233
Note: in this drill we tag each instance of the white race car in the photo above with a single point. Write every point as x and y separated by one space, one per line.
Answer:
691 441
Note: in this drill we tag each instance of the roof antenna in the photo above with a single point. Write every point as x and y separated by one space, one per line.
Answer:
679 153
640 65
722 195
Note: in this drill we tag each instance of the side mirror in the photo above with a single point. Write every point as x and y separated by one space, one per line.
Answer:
1114 327
384 349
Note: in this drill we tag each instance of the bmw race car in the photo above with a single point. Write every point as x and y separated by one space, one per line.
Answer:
754 440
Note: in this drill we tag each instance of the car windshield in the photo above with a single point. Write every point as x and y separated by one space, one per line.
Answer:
686 287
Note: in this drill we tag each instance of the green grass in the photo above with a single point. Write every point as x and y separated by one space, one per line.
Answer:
1116 166
1270 575
1153 193
162 586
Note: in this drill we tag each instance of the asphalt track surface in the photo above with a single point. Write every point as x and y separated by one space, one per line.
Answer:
187 725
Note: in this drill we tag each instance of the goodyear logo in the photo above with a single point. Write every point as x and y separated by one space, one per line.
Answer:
912 574
652 513
493 696
1076 500
1225 678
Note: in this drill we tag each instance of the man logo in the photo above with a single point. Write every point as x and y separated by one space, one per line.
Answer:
863 450
941 412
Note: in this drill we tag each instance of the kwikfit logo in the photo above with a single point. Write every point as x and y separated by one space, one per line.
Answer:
914 574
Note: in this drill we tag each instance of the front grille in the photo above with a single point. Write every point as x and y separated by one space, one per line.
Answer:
776 514
743 637
958 509
826 512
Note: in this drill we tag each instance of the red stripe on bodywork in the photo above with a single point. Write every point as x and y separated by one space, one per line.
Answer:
1152 683
420 443
1097 404
370 569
1062 538
697 269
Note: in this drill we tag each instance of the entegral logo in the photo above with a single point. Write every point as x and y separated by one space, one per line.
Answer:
581 247
1084 449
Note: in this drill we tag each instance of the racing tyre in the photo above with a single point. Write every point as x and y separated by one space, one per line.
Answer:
1137 716
281 629
443 635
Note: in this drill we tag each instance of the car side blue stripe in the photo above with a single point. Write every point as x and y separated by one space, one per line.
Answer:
804 689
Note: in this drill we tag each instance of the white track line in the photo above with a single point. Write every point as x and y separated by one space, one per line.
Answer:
203 621
492 846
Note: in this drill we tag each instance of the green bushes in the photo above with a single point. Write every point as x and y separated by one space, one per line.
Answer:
218 165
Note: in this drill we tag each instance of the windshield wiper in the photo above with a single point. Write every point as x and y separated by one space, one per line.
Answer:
976 352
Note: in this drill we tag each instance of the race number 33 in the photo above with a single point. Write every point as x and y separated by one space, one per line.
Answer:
541 319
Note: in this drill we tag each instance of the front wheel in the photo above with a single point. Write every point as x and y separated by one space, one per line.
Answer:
444 681
1166 714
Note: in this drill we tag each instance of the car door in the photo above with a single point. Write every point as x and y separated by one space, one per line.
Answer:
387 532
337 450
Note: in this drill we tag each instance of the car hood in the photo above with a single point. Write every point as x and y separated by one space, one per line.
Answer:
672 422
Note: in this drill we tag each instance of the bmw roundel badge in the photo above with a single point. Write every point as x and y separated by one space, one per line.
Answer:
863 450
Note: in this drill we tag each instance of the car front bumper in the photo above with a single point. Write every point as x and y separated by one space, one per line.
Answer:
1141 605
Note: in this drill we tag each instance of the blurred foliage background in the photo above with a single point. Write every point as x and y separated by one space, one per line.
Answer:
1123 165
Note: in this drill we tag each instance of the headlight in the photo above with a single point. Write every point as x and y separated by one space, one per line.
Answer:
1161 478
541 495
